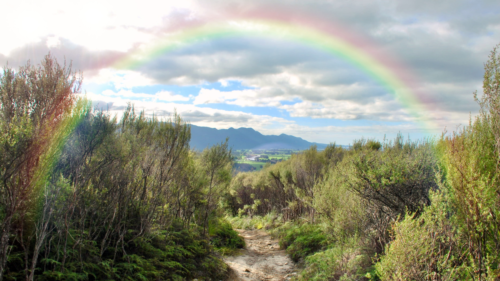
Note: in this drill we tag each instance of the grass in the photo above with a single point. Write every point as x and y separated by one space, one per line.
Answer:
280 156
257 165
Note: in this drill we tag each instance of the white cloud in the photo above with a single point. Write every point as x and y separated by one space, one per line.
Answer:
164 96
438 28
223 119
53 42
241 98
347 110
202 116
97 25
224 82
344 135
121 79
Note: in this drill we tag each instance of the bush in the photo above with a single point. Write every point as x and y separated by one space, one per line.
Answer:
396 179
342 210
225 238
344 261
425 248
301 240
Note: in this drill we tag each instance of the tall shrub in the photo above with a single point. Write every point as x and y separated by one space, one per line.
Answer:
35 104
458 236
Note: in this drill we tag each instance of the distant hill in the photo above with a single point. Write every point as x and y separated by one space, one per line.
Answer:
245 138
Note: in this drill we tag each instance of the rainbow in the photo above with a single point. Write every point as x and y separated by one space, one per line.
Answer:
361 53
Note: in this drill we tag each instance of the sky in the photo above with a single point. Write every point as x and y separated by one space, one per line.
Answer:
323 70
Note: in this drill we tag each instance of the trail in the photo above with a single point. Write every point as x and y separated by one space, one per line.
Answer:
261 260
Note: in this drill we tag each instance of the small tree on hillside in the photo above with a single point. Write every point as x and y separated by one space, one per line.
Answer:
217 163
35 103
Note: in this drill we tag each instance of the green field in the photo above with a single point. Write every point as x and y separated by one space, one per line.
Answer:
279 156
258 165
240 156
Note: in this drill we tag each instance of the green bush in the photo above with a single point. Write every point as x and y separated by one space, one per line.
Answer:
301 240
344 261
225 238
342 210
425 248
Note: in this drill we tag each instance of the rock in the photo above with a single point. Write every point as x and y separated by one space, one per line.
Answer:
247 270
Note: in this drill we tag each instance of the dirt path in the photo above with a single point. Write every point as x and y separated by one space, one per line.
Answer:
261 260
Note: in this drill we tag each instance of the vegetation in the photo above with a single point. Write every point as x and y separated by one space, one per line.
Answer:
392 210
87 196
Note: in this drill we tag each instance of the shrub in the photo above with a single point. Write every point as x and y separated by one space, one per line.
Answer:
395 179
301 240
225 238
425 248
343 261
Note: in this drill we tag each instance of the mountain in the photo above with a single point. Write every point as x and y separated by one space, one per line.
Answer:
245 138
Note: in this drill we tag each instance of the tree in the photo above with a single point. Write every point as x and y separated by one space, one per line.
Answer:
36 103
217 165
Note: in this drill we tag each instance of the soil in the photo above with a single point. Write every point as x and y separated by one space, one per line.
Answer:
261 260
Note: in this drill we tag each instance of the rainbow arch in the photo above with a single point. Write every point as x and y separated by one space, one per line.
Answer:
364 55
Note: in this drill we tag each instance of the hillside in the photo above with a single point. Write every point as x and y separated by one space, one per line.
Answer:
245 138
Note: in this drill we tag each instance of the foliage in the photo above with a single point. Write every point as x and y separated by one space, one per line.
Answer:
342 210
300 240
457 237
85 196
342 261
392 210
348 199
269 221
397 179
36 103
286 187
224 238
425 248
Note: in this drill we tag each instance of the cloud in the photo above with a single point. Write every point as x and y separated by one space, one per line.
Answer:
121 79
352 102
223 119
344 135
112 25
190 113
164 96
346 110
81 58
243 98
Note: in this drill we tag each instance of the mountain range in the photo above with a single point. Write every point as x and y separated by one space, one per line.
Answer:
246 138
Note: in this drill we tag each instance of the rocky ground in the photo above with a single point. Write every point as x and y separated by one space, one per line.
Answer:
261 260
